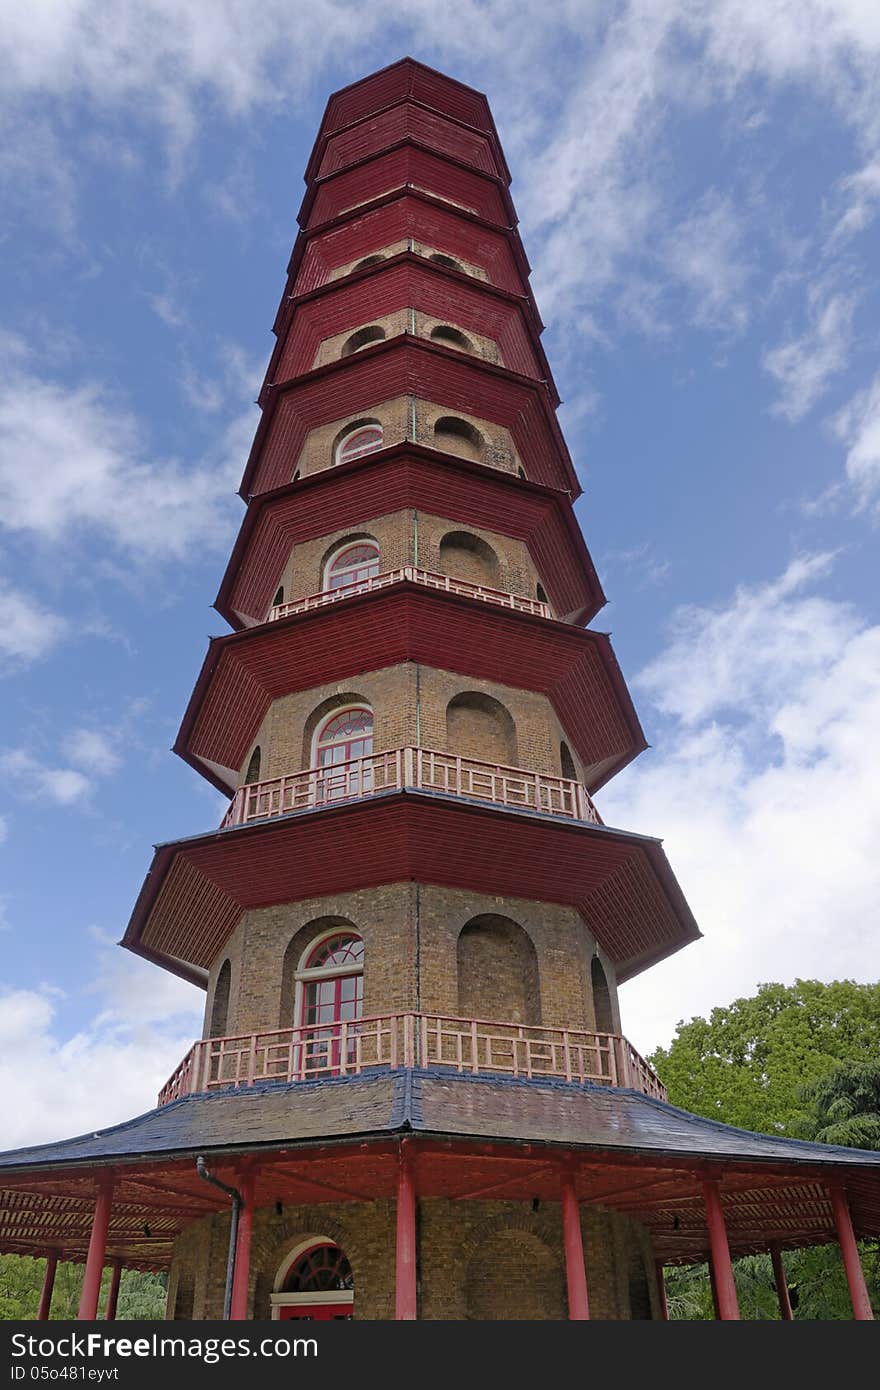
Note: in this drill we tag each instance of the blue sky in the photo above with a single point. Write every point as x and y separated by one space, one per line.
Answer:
698 186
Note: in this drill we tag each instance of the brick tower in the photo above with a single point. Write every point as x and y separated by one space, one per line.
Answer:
412 923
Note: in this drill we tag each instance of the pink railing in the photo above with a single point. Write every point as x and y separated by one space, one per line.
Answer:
412 1040
415 576
423 769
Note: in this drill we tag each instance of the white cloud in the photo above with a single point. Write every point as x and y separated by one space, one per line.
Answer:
36 781
97 478
766 789
705 253
862 193
858 425
93 750
104 1072
804 366
28 631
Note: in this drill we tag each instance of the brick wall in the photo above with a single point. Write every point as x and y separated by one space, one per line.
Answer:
477 1260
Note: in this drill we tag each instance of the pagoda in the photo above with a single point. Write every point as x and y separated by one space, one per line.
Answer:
412 1097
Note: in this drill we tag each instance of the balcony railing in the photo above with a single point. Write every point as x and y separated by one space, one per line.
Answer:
390 1041
416 576
423 769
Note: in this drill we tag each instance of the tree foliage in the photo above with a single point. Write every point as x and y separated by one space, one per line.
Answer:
799 1060
141 1295
746 1064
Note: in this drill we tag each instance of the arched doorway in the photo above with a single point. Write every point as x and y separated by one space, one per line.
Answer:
315 1284
330 990
342 740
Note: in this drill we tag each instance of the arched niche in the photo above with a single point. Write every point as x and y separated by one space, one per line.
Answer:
447 336
497 971
567 763
364 337
466 556
254 765
478 726
602 1006
219 1022
456 436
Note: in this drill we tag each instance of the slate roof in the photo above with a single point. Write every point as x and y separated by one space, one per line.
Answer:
429 1102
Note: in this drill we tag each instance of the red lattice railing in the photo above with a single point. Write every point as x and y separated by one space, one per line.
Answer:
412 1040
414 575
423 769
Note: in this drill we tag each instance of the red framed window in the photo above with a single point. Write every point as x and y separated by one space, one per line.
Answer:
319 1287
361 440
343 739
353 566
332 994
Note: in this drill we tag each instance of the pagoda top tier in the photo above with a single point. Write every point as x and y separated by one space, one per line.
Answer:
373 98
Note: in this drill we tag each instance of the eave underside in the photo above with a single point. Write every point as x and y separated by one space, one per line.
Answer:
629 1154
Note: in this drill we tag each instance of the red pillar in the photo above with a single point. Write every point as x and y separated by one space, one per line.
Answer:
661 1291
719 1254
113 1291
241 1278
781 1285
575 1273
858 1289
48 1286
406 1298
91 1289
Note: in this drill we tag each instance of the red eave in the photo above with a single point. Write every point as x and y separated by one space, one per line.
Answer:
407 365
622 884
509 234
342 289
576 670
410 475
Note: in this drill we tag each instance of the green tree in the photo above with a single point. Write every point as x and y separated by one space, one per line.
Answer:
141 1295
746 1063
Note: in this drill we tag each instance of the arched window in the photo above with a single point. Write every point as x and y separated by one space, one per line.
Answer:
331 993
359 440
541 594
451 337
456 436
342 741
279 596
253 767
447 261
317 1285
352 567
373 333
368 260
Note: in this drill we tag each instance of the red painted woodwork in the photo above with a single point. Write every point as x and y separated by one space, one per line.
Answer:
239 1306
405 1291
395 217
621 884
409 281
723 1284
407 120
408 366
245 671
855 1277
91 1289
406 476
45 1307
575 1271
407 162
406 78
113 1291
781 1283
348 1044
